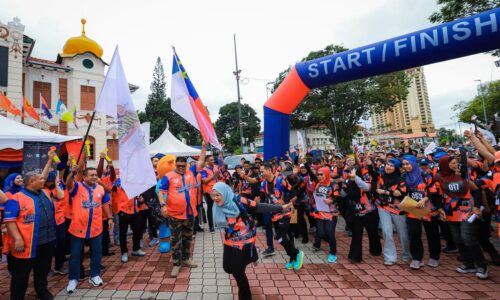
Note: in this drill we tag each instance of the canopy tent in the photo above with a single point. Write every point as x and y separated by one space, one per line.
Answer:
167 143
13 134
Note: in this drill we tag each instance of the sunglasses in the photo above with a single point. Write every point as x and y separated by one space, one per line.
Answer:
180 166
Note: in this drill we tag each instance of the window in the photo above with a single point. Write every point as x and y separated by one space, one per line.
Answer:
112 145
43 88
87 97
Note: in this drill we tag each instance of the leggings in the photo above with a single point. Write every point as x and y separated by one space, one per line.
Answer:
326 231
465 237
235 262
285 237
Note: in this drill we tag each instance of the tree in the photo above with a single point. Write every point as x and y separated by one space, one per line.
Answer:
227 126
446 136
454 9
158 111
351 100
465 110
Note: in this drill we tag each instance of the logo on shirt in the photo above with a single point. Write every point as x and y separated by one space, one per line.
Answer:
88 204
29 219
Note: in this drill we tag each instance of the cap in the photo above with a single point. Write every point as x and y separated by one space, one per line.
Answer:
339 155
288 171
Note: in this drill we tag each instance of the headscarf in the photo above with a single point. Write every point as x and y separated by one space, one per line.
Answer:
229 209
10 186
327 178
415 176
394 177
447 175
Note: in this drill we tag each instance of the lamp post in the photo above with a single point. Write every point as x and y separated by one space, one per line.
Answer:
237 74
482 98
335 128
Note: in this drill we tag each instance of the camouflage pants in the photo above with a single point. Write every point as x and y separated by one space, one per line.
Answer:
180 240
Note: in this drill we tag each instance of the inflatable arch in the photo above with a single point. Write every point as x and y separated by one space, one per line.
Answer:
462 37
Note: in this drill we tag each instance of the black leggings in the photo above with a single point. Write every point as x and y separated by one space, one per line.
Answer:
301 222
235 262
285 237
415 236
210 204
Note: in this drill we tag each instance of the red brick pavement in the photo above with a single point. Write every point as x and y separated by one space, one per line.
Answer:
344 280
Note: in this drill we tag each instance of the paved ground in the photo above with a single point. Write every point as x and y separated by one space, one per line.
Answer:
149 277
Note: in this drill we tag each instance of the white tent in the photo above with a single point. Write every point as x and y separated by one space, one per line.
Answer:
13 134
167 143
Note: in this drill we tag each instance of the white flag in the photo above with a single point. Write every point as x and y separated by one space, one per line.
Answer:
146 128
136 171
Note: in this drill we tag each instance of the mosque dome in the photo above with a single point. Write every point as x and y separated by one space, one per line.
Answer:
81 44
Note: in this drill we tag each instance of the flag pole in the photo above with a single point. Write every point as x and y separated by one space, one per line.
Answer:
86 135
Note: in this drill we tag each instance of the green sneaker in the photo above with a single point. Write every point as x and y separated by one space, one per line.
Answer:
289 265
299 260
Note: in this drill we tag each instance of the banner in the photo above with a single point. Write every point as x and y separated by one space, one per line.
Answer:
35 155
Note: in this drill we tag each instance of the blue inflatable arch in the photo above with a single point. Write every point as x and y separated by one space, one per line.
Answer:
462 37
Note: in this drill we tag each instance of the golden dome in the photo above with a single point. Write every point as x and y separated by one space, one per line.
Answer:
81 44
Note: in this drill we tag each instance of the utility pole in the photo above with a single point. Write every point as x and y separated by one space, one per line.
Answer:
335 128
482 97
237 74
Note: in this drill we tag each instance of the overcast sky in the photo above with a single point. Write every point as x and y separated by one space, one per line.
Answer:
271 36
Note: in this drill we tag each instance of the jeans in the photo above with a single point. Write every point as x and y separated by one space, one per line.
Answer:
433 240
77 253
60 250
484 235
105 237
21 269
386 221
326 231
370 223
210 204
133 221
116 228
268 226
465 237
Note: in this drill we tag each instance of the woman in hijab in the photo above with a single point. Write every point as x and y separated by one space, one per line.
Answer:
391 189
461 209
326 217
231 212
13 184
420 191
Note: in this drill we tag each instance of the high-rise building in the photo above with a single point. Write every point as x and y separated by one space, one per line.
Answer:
411 115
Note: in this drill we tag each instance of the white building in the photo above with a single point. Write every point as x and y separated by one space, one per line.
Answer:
317 137
75 77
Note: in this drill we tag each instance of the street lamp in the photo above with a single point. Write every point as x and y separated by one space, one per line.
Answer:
335 128
237 74
482 98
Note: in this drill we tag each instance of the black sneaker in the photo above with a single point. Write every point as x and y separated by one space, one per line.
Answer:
465 269
450 250
482 273
212 230
268 252
316 247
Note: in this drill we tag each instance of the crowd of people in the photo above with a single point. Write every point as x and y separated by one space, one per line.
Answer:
49 217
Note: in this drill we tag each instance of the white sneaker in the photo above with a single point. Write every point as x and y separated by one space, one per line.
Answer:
124 257
71 286
96 281
139 252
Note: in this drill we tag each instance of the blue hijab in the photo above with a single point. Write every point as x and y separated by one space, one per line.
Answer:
227 210
415 176
10 186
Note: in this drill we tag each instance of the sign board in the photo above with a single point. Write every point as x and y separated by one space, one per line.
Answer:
35 155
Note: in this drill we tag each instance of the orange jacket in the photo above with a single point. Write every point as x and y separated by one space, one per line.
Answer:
207 172
181 194
87 203
22 209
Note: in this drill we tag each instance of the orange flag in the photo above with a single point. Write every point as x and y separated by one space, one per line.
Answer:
6 104
30 109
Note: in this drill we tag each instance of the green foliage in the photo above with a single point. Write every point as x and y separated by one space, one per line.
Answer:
227 126
465 110
158 111
446 136
351 100
450 10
